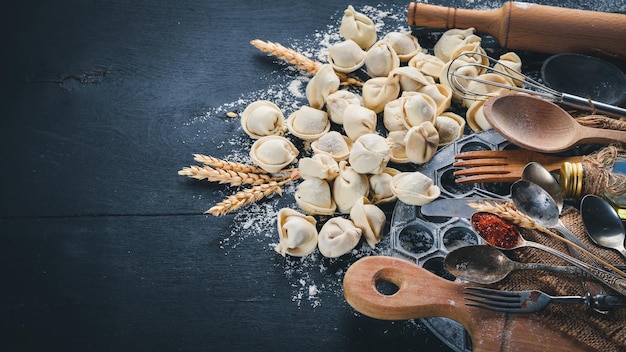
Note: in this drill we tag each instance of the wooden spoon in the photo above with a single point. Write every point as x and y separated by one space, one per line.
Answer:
422 294
539 125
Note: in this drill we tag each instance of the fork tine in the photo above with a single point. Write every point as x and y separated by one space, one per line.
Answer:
495 300
486 174
480 162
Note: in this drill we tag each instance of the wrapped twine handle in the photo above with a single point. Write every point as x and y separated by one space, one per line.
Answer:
599 178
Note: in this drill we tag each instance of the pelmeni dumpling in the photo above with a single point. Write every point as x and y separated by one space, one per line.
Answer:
321 166
414 188
334 144
428 64
308 123
369 154
411 79
418 108
393 115
481 90
337 102
314 197
459 68
378 91
397 148
321 85
404 44
475 118
380 186
263 118
449 127
451 40
338 236
358 120
421 142
346 56
273 153
298 233
381 59
358 27
370 219
441 94
348 187
511 64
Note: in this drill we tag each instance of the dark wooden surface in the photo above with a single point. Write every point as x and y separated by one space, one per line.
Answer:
103 247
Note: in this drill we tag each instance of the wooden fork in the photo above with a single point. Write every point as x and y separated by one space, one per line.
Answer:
502 165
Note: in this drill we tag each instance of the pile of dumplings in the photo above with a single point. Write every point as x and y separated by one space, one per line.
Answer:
346 175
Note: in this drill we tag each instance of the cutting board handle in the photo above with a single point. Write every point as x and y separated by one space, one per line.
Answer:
534 27
423 294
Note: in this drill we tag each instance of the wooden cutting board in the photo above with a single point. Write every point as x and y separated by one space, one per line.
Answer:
422 294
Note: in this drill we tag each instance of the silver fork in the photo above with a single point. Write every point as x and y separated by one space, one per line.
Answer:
534 300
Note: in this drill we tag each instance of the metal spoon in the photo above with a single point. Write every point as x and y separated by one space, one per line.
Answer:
517 241
602 224
542 126
539 175
487 265
534 201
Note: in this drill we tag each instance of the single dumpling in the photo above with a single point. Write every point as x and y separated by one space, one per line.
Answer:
321 166
334 144
418 108
346 56
397 146
414 188
450 127
263 118
348 187
370 219
377 92
480 91
297 232
314 197
358 27
273 153
454 75
337 237
393 115
475 117
405 45
381 59
451 39
337 102
369 154
321 85
358 120
411 79
441 94
428 64
511 64
308 123
421 142
380 186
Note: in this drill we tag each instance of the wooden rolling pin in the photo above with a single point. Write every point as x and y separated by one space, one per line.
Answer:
533 27
422 294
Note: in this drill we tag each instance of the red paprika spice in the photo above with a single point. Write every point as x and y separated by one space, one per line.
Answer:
495 230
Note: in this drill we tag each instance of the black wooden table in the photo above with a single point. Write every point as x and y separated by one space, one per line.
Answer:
103 247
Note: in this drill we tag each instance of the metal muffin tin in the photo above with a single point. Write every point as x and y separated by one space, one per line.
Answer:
426 240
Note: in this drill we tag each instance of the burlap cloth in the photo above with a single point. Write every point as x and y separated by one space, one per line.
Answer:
602 332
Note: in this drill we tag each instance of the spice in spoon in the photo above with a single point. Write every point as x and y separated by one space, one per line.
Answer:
495 230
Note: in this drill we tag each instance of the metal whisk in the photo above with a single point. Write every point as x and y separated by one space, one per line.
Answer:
518 82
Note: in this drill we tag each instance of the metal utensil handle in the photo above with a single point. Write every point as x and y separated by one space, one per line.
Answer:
613 281
592 105
566 270
607 301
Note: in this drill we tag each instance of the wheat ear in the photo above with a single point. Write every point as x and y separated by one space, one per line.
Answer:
250 195
227 165
300 61
507 211
233 178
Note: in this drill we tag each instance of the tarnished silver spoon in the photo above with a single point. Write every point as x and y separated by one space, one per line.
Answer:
602 224
487 265
539 175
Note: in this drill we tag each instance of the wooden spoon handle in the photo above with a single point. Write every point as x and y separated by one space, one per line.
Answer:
533 27
590 135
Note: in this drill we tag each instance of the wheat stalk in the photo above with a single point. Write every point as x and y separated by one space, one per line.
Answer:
508 212
227 165
300 61
251 195
234 178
